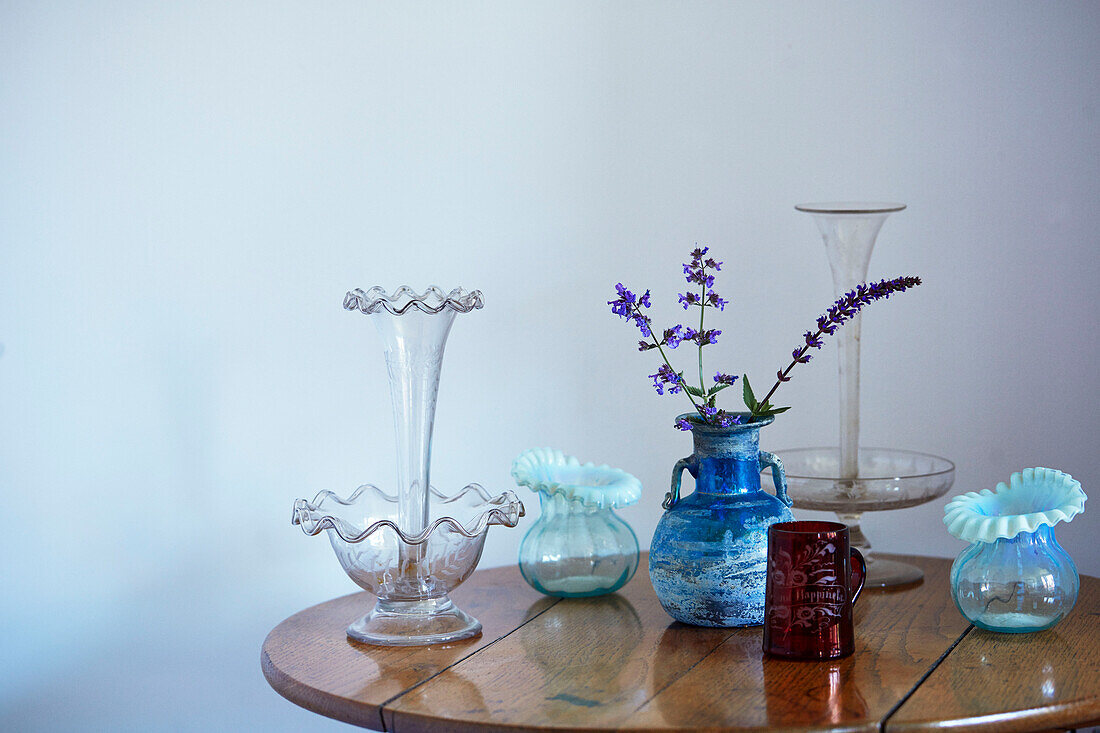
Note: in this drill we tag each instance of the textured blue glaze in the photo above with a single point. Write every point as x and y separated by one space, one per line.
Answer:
708 558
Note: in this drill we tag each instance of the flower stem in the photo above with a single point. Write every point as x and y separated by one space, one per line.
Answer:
657 343
782 378
702 312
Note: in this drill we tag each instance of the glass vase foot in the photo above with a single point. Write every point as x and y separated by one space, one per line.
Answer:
417 623
883 573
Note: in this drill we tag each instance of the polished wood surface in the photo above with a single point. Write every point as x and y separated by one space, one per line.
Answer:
309 659
619 662
1015 682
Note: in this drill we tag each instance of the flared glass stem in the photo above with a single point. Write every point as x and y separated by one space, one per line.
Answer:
414 344
849 239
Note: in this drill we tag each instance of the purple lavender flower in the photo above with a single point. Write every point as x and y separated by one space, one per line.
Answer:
689 298
725 419
629 306
843 310
848 306
699 270
710 336
666 376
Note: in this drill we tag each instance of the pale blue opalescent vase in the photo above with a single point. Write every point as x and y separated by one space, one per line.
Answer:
1015 577
578 547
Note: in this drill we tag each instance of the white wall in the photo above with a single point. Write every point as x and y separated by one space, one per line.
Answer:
188 189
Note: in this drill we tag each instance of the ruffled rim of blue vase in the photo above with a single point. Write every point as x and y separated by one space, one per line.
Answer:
553 472
1031 499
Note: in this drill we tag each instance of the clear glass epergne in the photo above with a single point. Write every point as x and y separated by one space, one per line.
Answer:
847 479
413 547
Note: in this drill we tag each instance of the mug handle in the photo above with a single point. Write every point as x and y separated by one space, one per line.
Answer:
859 568
779 476
673 496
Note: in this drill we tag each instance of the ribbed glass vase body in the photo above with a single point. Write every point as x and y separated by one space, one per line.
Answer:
1017 584
576 550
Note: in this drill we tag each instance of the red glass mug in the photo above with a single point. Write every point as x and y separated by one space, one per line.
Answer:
814 578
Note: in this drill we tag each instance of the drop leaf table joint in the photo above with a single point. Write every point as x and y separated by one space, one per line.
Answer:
618 662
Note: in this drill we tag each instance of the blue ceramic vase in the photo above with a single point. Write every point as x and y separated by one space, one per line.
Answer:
708 559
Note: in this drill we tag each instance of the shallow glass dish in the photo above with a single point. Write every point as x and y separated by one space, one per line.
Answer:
888 478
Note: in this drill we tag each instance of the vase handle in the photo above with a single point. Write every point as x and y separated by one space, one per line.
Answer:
859 568
779 476
673 496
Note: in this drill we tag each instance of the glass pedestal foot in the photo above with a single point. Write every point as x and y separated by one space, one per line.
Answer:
397 623
889 573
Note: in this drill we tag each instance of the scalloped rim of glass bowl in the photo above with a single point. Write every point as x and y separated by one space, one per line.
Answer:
431 301
505 509
620 488
966 517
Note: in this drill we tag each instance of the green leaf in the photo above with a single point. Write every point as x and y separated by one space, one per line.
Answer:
693 391
750 398
718 389
776 410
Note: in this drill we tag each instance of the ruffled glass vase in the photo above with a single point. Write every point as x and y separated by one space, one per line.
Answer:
578 547
1015 577
412 547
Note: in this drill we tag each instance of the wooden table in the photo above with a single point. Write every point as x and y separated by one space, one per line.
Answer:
620 662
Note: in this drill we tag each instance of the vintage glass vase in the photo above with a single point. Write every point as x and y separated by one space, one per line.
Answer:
578 547
849 479
412 547
708 559
1015 577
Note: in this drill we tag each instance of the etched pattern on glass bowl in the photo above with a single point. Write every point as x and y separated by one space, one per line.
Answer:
411 575
888 478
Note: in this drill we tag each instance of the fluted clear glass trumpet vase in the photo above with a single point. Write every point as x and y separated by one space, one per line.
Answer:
849 479
410 548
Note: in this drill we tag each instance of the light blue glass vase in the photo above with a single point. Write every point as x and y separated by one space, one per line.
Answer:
578 547
1015 577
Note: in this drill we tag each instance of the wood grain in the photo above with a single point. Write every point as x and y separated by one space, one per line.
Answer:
622 663
899 635
619 662
1015 682
309 660
584 663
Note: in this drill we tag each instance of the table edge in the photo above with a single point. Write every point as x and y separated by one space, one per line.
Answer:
318 701
381 716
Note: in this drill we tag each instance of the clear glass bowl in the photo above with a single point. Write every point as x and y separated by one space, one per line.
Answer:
410 574
887 478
